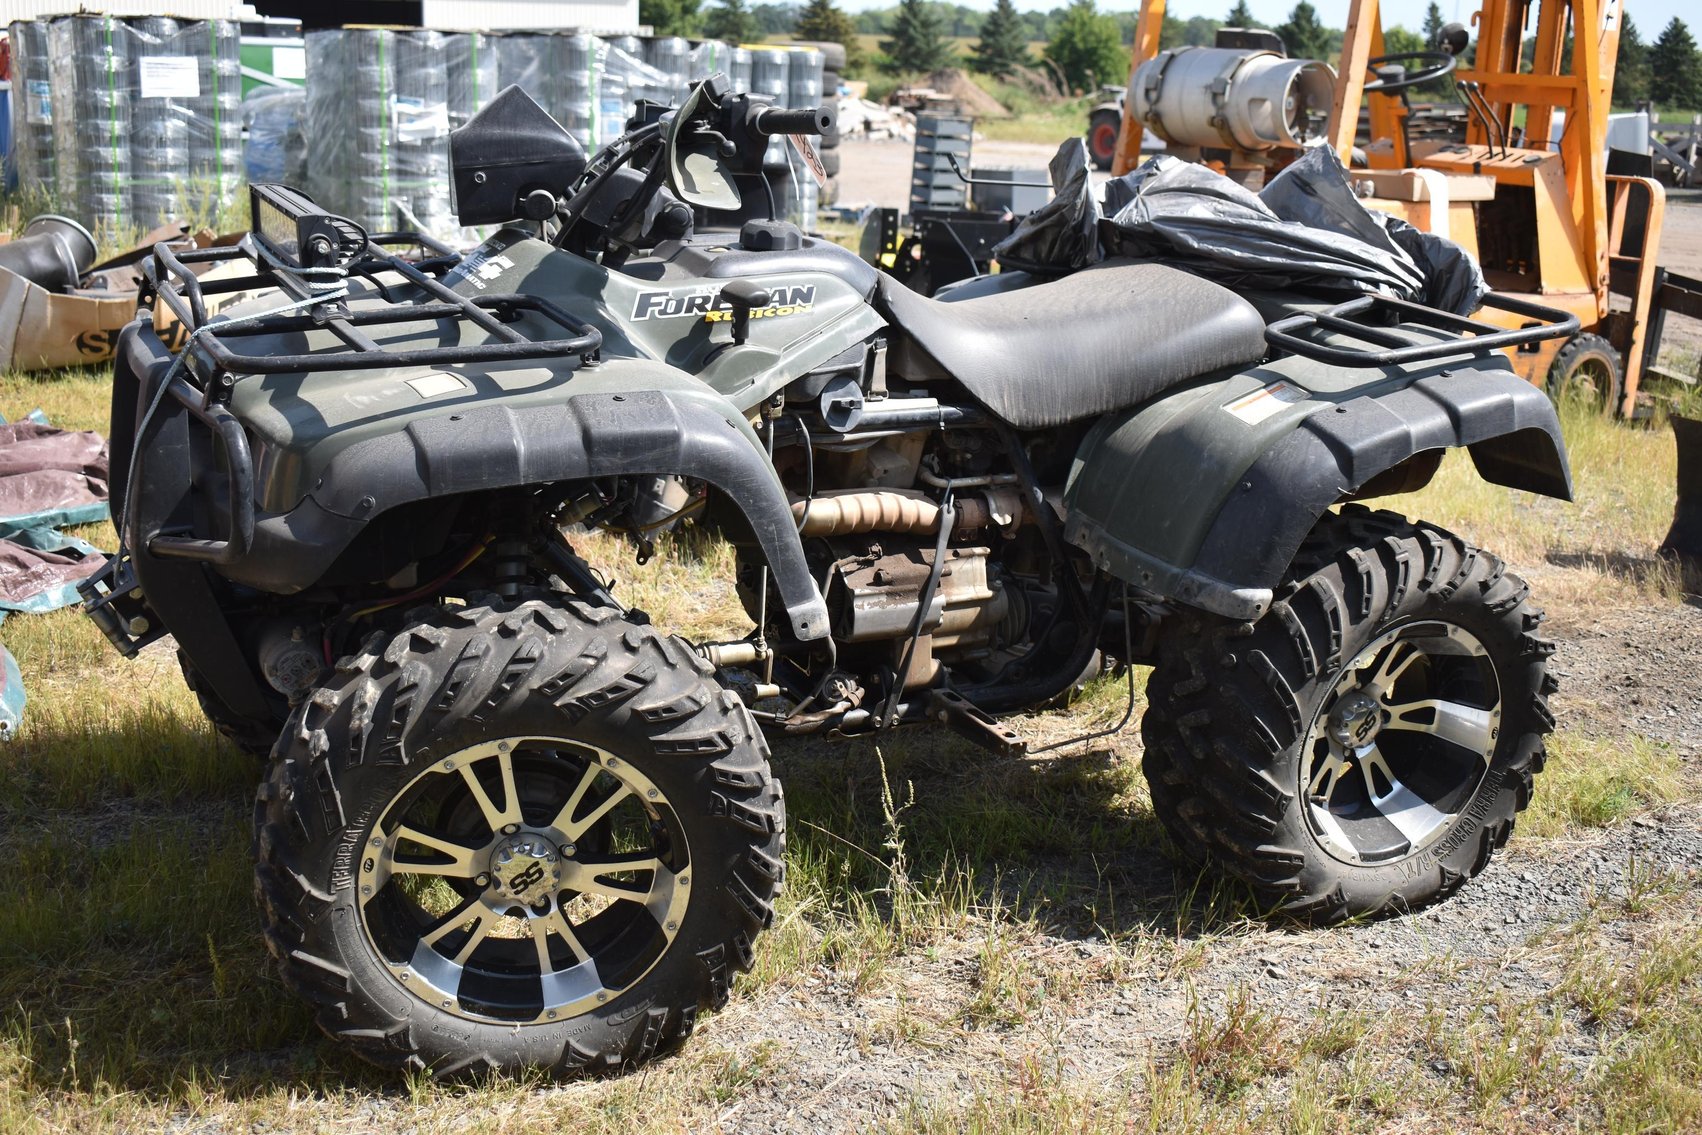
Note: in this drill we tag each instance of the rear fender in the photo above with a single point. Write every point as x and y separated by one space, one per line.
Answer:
1204 495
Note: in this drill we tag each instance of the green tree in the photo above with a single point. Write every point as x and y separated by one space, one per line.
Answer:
823 22
1631 74
918 42
671 17
1675 69
1240 16
1087 47
1303 35
1432 25
1004 42
730 20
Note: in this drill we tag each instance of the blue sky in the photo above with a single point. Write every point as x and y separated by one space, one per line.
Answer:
1650 15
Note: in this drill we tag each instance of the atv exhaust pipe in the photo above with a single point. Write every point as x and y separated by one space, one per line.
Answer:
1683 544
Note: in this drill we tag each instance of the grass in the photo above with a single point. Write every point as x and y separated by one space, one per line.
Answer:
950 911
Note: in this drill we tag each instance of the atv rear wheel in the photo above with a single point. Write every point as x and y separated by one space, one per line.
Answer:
1363 748
517 836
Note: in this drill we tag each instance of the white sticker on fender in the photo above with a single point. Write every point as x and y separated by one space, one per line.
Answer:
1256 407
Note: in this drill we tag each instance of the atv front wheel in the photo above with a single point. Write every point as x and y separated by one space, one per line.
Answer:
1364 746
517 836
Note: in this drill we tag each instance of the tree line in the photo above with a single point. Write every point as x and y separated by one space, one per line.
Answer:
1086 47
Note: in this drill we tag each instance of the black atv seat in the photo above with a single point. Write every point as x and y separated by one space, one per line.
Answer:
1098 340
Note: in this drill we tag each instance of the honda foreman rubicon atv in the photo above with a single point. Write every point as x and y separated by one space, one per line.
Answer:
510 823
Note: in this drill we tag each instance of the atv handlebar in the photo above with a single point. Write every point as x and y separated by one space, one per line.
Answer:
810 120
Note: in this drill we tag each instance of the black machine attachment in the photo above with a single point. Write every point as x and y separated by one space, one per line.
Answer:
511 161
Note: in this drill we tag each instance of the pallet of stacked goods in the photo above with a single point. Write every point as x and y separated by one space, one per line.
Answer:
32 109
378 127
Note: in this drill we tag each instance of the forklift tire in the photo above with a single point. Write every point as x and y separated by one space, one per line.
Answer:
830 162
1588 370
1102 131
1364 747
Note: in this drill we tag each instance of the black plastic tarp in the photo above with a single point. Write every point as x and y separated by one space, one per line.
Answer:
1306 232
1063 234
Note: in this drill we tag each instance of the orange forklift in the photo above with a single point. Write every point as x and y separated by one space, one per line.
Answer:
1527 191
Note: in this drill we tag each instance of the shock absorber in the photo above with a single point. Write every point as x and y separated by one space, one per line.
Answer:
509 561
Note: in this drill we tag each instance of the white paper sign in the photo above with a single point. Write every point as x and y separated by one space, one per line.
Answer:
801 143
170 76
289 63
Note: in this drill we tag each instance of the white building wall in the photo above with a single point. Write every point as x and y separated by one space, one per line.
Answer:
491 15
183 9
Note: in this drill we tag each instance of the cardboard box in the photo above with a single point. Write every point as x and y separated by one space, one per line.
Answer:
40 329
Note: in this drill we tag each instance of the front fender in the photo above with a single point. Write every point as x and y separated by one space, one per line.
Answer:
1204 495
627 416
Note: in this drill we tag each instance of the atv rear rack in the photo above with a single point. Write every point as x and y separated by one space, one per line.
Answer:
169 275
1368 320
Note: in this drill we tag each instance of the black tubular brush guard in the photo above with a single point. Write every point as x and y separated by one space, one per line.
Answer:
1368 320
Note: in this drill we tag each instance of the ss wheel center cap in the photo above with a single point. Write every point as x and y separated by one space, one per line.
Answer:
1356 719
526 868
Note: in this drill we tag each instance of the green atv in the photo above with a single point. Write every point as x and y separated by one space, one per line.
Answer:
509 823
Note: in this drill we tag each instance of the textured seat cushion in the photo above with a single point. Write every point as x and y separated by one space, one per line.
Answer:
1098 340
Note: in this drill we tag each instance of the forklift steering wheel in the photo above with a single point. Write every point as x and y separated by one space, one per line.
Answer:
1431 65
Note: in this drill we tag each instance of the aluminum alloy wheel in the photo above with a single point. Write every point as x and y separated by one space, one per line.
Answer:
1401 743
524 880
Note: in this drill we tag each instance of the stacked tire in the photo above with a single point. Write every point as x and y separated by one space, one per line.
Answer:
833 66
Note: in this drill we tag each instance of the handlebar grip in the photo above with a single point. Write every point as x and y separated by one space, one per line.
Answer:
811 120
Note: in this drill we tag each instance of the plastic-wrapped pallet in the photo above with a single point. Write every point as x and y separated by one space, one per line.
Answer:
560 72
630 44
378 127
671 55
740 72
94 97
159 135
215 113
624 80
186 144
276 149
474 74
771 75
708 57
32 107
803 77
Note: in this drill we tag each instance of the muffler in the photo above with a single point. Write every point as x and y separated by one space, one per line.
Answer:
53 252
1684 539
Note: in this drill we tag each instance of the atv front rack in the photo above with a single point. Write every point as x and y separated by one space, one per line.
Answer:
169 275
1368 319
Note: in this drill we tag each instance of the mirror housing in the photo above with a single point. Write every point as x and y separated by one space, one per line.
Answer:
505 156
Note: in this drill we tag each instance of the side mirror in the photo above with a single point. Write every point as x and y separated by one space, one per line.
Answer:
511 160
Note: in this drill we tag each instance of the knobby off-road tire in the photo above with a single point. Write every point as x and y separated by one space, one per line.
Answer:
251 736
1269 744
546 767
